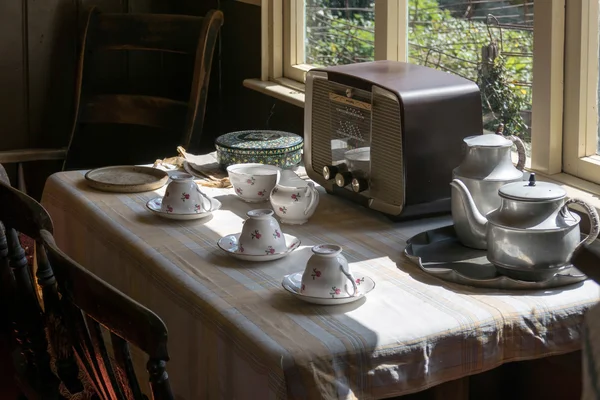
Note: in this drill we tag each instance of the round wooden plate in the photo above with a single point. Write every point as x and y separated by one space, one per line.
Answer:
126 178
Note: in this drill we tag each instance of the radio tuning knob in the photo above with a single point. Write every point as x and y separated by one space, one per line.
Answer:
359 185
329 172
343 178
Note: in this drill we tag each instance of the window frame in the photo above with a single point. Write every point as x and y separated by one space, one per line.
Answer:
564 106
581 90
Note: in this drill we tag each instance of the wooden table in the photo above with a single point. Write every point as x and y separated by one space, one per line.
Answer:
235 332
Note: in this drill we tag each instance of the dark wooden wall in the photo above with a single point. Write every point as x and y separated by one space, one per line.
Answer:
38 51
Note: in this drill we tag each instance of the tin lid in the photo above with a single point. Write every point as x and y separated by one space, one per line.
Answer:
487 140
259 140
532 190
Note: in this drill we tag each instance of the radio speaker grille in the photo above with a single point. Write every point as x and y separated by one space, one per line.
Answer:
321 126
387 162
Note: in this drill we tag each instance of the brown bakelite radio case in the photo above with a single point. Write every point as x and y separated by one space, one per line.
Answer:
388 134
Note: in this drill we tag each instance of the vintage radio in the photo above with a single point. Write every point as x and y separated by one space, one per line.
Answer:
388 134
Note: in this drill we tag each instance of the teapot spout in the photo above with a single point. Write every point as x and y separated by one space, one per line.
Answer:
470 227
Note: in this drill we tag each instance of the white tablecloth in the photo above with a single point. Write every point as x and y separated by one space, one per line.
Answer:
235 333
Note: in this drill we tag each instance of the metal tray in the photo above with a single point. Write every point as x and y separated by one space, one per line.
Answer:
439 253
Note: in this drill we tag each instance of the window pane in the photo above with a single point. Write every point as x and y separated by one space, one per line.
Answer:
339 32
487 41
598 101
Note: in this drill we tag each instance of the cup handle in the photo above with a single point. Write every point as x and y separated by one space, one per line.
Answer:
205 197
592 215
346 271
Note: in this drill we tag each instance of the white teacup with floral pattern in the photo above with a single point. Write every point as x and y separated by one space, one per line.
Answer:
327 274
261 234
183 196
253 182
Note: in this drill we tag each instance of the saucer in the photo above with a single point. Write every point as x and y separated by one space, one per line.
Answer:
154 206
229 244
293 282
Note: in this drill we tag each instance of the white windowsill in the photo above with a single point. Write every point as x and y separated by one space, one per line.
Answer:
283 89
293 92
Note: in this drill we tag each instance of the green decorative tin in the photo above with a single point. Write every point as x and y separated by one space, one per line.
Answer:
283 149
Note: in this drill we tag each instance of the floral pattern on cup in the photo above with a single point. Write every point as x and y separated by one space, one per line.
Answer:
261 232
316 273
253 182
335 291
360 280
183 196
241 248
270 250
327 274
283 209
296 196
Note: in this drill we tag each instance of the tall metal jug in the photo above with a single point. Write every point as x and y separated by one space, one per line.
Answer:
486 167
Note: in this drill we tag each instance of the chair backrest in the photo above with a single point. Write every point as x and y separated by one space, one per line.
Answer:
20 305
4 175
76 304
179 34
89 303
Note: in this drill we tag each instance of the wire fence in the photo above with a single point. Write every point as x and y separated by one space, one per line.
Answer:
445 34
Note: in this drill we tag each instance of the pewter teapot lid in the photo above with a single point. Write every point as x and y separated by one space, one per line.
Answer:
532 191
487 140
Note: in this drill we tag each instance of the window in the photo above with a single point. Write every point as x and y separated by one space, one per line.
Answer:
581 138
551 104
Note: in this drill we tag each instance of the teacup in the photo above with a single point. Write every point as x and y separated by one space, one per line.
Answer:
261 234
253 183
183 196
327 274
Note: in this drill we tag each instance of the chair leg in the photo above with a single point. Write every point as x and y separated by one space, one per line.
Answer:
21 178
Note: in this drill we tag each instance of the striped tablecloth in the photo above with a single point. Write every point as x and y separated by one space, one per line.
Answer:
236 334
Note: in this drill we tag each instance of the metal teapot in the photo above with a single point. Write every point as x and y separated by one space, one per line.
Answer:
532 234
486 167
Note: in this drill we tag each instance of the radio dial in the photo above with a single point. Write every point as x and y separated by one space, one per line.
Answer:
359 185
343 178
329 172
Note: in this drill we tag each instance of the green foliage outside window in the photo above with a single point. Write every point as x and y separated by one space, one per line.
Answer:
436 39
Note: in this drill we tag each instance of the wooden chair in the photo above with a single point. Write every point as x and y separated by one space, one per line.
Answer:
154 117
22 314
76 304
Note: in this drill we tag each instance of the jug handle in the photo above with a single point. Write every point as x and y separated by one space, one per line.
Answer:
521 151
346 271
312 192
592 215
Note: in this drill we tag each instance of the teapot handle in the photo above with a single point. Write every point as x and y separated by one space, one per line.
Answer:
520 150
312 193
346 271
594 220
